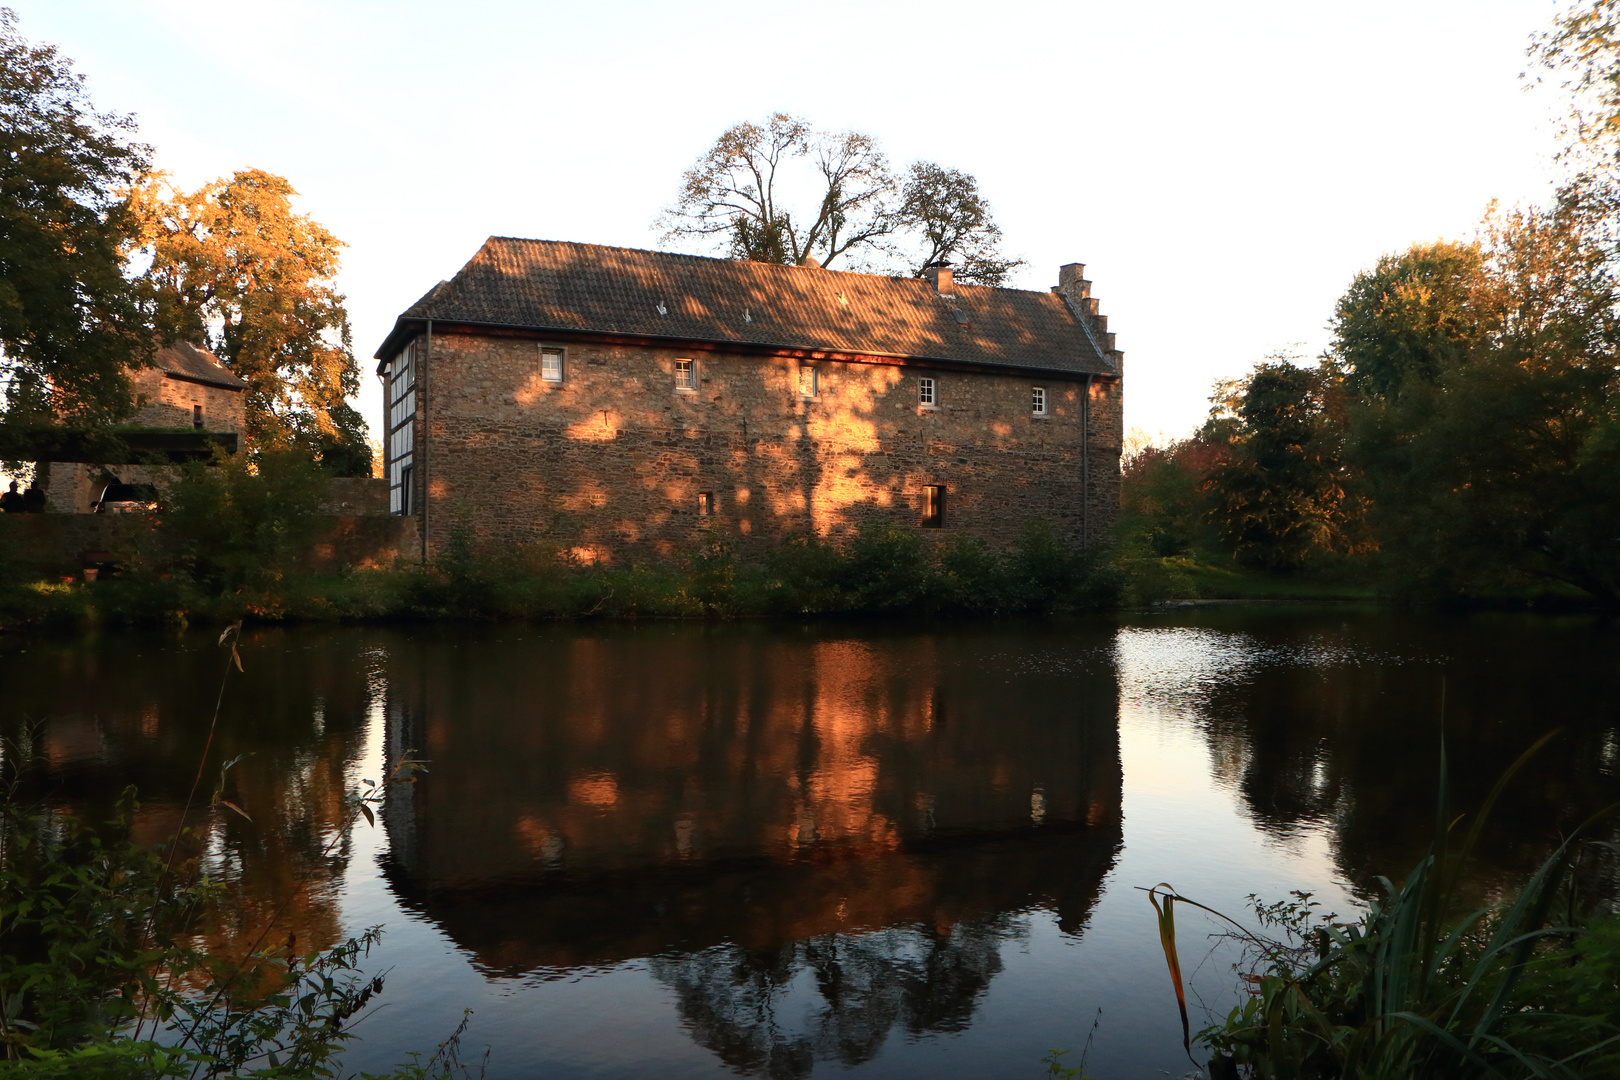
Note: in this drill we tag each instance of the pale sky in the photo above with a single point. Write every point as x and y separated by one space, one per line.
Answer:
1224 170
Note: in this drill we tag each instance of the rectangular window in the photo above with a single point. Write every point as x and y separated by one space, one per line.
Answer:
399 446
685 375
933 506
925 393
551 365
705 503
807 381
196 417
1038 402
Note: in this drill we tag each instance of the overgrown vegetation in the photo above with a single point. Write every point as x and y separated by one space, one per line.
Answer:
1526 987
230 548
110 969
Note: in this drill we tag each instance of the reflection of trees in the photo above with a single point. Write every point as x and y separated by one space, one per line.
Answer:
135 710
1341 728
738 1002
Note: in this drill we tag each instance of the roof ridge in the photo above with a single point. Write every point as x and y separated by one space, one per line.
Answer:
567 286
774 267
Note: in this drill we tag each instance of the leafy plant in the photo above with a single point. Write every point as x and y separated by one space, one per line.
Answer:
103 974
237 525
1412 988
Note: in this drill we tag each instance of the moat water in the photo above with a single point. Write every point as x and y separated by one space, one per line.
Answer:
788 850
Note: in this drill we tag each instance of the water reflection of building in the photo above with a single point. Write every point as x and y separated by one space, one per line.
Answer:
754 812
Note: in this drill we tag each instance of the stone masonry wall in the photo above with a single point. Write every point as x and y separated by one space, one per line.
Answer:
168 402
615 456
164 402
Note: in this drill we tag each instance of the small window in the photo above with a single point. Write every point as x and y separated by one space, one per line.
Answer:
807 381
196 417
705 504
551 365
685 375
406 490
1038 401
925 393
933 506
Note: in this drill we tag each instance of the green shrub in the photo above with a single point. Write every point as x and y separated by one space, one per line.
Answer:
1414 988
234 526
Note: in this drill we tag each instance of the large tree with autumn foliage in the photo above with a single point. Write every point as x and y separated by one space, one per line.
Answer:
233 264
71 321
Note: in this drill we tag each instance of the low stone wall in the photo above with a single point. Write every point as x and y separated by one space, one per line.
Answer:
365 541
350 495
64 544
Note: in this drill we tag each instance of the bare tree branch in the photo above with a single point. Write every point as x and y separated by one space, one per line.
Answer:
737 193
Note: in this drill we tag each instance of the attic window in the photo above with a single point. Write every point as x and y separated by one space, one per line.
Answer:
808 384
551 365
685 375
1038 402
926 397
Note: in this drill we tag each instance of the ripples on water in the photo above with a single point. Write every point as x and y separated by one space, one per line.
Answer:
667 849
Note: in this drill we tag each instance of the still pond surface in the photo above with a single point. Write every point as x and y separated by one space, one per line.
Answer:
784 851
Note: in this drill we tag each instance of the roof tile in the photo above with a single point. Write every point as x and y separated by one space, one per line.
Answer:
563 286
188 361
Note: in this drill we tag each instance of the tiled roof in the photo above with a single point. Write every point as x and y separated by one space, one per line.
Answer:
187 361
560 286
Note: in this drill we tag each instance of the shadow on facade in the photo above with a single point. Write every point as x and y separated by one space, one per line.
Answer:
812 841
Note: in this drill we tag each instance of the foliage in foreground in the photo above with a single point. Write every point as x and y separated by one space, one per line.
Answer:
105 973
242 561
1526 988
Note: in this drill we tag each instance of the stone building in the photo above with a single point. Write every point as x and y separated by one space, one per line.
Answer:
607 399
185 388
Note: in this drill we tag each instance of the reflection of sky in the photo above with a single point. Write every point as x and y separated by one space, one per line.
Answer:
1183 824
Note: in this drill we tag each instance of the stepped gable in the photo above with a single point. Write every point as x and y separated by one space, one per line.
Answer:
558 286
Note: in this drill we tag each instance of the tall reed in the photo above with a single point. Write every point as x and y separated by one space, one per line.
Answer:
1418 987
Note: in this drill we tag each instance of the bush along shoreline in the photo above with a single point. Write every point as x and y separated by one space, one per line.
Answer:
880 571
233 538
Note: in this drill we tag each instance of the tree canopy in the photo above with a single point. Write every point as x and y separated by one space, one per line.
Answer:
233 264
1414 315
785 192
71 322
1279 488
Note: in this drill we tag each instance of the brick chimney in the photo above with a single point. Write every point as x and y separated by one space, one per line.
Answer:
939 276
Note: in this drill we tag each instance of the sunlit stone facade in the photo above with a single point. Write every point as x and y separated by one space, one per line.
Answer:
601 442
185 389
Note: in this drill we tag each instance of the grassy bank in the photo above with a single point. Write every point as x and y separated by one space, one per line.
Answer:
881 571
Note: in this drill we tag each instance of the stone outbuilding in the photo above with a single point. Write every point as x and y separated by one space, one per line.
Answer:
607 400
186 388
